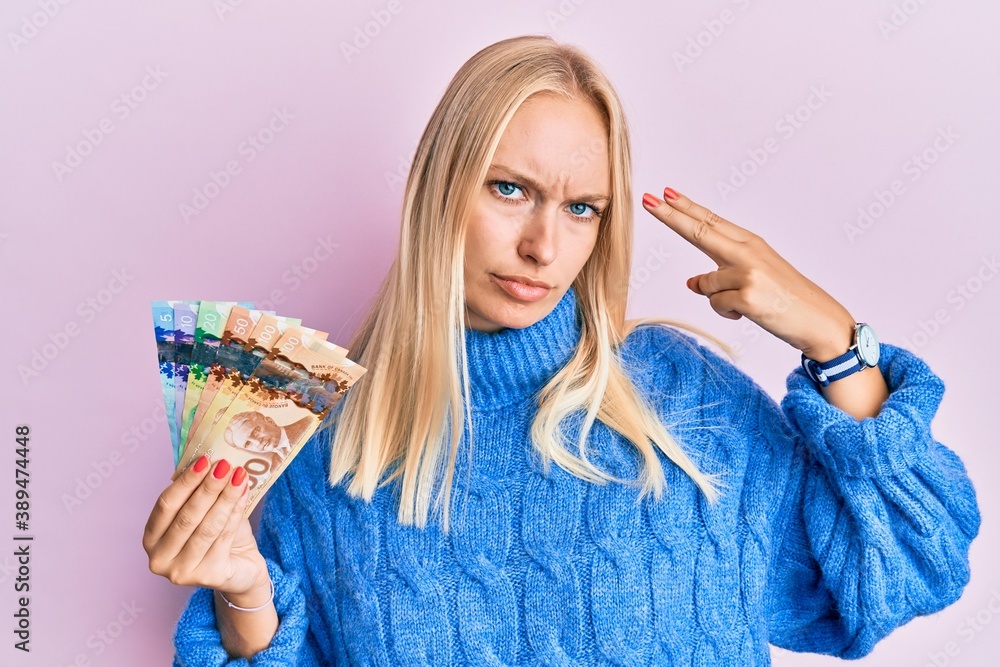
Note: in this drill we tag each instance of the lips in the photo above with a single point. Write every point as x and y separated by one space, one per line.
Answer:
527 293
525 280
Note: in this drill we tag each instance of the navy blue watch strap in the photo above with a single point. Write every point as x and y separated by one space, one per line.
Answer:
835 369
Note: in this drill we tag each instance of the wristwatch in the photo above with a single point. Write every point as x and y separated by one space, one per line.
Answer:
862 354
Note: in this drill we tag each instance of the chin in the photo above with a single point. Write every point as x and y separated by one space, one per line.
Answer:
501 310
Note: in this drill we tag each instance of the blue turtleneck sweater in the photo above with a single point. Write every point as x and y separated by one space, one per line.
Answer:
829 532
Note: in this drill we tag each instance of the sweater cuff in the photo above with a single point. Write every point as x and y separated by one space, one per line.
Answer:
198 642
878 446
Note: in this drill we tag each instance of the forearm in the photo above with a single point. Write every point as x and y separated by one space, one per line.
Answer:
859 395
245 633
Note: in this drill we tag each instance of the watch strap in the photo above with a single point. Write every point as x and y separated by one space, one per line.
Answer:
834 369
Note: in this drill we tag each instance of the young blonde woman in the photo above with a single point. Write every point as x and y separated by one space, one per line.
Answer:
687 519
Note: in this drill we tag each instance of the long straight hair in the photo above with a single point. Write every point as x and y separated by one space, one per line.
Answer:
399 418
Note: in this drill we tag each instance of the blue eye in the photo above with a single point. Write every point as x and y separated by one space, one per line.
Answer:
582 208
505 188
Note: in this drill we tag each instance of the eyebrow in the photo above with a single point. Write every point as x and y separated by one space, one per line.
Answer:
527 180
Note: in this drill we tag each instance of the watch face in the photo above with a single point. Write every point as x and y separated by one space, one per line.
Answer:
868 346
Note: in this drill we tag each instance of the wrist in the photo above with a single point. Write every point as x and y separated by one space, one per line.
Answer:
838 340
255 596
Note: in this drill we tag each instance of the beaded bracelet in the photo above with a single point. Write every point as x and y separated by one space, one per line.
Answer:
249 608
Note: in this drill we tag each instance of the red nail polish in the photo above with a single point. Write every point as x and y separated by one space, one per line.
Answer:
670 194
200 464
221 468
239 475
650 200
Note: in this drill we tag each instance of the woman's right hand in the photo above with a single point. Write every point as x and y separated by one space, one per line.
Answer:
197 535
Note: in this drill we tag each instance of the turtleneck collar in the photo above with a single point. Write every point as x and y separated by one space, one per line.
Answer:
510 365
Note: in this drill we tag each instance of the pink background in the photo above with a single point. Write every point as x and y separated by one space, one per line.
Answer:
334 171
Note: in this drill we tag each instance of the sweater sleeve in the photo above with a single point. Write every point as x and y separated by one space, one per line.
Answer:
197 640
873 518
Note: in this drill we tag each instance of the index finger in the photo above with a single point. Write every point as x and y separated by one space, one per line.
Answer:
715 236
170 501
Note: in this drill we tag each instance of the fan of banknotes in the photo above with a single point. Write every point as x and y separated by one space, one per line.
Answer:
245 385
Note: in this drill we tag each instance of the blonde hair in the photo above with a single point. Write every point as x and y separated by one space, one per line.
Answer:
413 337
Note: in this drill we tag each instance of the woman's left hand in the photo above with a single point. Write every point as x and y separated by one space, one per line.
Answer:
754 281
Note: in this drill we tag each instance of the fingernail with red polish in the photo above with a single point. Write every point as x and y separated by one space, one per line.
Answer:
650 200
221 468
239 475
200 464
670 194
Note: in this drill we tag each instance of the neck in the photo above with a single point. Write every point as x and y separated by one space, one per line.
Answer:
511 365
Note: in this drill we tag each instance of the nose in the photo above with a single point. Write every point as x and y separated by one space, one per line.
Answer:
539 240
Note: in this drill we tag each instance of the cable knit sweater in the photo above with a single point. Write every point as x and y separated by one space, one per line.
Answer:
829 532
